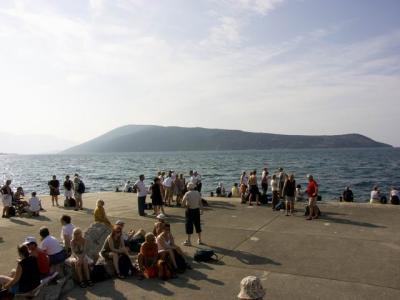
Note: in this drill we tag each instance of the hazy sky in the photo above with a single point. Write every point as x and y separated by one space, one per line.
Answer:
77 69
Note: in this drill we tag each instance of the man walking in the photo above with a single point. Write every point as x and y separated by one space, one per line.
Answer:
312 191
142 192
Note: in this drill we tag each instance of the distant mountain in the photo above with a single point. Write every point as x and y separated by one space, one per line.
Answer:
149 138
31 143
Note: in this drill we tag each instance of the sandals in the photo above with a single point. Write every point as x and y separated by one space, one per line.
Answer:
90 283
82 284
187 243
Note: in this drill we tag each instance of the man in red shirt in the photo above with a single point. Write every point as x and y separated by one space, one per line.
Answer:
41 257
312 191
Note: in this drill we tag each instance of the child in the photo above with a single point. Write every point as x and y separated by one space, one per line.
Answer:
66 232
299 194
33 205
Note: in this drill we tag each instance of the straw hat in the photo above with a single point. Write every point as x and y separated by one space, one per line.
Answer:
251 288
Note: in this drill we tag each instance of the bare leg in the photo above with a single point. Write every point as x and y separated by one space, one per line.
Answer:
115 258
56 198
78 269
86 272
287 207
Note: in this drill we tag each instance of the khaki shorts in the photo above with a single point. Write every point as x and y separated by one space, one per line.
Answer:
7 200
312 201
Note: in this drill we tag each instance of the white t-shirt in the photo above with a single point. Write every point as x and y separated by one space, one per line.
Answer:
51 245
245 180
67 230
34 204
168 182
395 193
274 185
126 187
193 180
375 195
142 190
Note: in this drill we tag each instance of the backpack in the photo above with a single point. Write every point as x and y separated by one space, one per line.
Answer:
99 273
205 255
124 264
81 187
164 271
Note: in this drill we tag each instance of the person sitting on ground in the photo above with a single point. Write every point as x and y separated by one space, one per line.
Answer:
395 196
79 258
159 225
100 214
33 205
132 239
348 195
42 258
235 191
27 275
128 187
66 232
194 206
251 289
113 248
18 196
299 194
375 195
52 247
168 248
220 190
148 256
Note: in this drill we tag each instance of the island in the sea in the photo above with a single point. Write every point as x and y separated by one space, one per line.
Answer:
150 138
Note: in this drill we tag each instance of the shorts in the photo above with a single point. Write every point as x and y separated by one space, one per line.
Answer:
289 199
68 194
78 197
254 190
54 192
57 258
7 200
312 201
168 192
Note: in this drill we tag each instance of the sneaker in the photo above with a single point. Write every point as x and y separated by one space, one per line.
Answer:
187 243
199 242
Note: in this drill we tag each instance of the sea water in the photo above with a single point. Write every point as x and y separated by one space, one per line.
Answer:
334 169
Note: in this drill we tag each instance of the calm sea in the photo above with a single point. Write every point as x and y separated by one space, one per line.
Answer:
333 168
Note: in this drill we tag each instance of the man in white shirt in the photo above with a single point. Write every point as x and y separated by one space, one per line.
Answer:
168 188
34 205
196 180
142 192
52 247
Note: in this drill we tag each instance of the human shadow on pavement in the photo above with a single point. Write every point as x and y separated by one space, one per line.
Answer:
154 285
20 222
220 205
196 275
329 218
106 289
245 257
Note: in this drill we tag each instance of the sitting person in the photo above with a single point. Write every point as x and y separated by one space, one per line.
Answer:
41 257
235 191
220 190
375 195
34 205
114 248
168 248
52 247
80 259
66 232
159 225
27 275
348 195
128 187
299 196
148 256
132 239
100 214
251 289
395 196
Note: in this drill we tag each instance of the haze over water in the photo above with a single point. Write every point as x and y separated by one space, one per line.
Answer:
333 168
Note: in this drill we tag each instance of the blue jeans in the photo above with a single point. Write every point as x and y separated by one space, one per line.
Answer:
141 203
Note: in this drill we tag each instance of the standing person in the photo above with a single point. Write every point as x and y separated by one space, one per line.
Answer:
312 191
197 181
253 188
142 192
54 186
180 187
275 191
79 189
264 181
7 195
244 181
192 203
68 191
289 190
156 197
167 183
281 181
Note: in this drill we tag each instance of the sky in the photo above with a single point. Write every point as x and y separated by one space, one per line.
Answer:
77 69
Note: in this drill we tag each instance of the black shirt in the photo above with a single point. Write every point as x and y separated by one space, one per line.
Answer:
30 277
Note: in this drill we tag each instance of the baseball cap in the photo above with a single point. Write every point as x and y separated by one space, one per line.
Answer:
119 222
29 240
